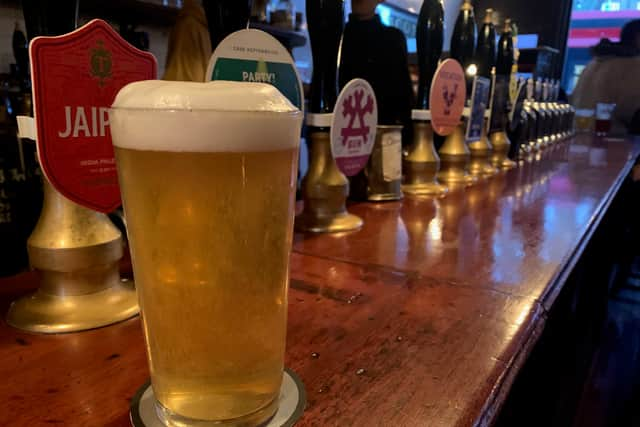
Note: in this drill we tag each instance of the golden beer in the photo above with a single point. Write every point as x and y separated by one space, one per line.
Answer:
210 233
585 120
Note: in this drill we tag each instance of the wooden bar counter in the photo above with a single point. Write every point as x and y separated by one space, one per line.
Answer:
422 318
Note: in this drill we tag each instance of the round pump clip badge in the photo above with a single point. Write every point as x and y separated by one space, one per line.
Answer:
255 56
447 97
354 125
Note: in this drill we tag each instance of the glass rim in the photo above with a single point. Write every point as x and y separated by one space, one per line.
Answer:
204 110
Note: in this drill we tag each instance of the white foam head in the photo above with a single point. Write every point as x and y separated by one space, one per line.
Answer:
156 115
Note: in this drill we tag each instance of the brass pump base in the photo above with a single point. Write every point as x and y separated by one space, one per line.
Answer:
501 144
420 164
324 191
455 159
76 252
330 224
480 165
481 150
46 313
427 189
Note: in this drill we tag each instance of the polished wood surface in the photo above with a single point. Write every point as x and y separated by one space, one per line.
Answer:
515 233
423 317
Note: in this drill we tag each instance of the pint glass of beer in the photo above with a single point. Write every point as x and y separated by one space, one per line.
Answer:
208 173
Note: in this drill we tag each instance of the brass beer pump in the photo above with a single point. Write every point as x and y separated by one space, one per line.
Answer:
557 111
562 112
498 135
571 121
569 124
554 135
420 163
566 118
454 154
381 179
551 107
546 105
324 191
531 118
541 113
481 149
324 188
501 145
455 159
76 252
519 128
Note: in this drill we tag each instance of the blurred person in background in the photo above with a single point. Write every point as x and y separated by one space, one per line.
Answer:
189 45
378 53
613 77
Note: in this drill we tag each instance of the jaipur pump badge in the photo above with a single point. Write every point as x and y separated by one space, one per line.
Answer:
75 80
353 130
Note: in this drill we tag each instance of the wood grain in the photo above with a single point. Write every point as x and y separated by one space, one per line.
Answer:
422 318
513 233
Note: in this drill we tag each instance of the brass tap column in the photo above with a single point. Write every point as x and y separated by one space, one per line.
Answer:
528 108
76 252
519 127
497 134
563 113
542 116
486 48
420 162
558 111
501 145
324 188
498 137
481 151
455 159
454 154
548 125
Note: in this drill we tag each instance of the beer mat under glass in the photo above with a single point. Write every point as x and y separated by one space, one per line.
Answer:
292 401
